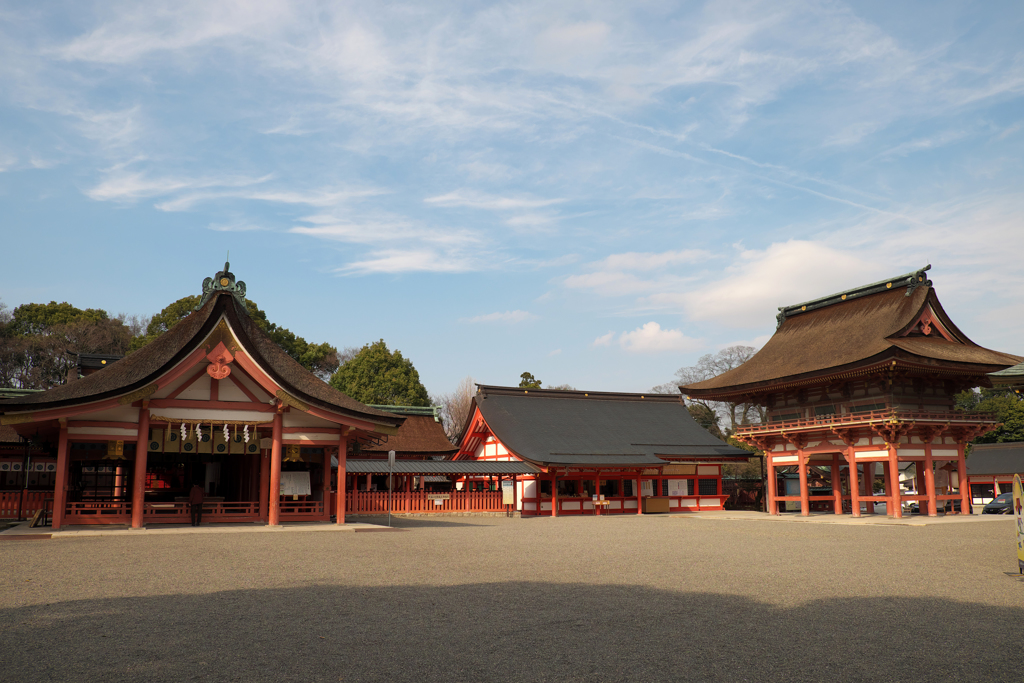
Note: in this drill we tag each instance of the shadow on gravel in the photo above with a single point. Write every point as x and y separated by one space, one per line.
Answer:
506 632
416 522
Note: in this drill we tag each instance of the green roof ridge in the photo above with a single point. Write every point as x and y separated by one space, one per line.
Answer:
433 411
911 280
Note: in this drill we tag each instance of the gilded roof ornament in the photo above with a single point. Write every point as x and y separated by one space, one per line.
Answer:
223 281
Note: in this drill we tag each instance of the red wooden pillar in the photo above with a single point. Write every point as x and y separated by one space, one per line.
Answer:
772 482
837 486
851 459
895 498
141 451
639 496
554 494
60 487
264 484
929 479
274 518
869 486
327 485
339 499
805 501
961 475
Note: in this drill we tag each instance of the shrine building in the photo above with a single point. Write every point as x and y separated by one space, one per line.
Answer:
859 380
596 452
213 401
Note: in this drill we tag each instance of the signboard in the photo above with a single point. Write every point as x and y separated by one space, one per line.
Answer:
646 487
679 469
295 484
508 496
439 496
1018 515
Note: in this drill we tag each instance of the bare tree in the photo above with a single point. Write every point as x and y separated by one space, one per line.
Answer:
455 408
712 365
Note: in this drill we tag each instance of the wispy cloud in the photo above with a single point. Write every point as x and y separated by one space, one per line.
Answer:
508 317
479 200
129 187
395 261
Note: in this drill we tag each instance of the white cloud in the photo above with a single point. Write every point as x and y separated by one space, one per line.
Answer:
556 352
479 200
236 227
318 198
605 339
760 280
650 338
648 260
126 187
393 261
508 317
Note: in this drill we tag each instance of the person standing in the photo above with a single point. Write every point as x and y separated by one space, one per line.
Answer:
195 503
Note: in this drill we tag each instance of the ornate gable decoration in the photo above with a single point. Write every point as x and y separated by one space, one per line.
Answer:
223 281
928 324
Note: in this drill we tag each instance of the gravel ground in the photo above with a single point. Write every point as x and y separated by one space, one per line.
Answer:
479 599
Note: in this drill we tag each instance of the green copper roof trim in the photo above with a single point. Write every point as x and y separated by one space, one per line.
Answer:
223 281
12 392
1015 371
911 281
433 411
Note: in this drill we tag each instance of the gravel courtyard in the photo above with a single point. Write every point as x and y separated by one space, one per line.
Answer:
478 599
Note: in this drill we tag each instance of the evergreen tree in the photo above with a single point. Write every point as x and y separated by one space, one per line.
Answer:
379 376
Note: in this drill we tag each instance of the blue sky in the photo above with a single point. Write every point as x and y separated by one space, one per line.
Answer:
598 193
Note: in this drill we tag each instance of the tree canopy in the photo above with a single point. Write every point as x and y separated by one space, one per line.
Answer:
1007 407
528 381
380 376
711 365
39 342
320 359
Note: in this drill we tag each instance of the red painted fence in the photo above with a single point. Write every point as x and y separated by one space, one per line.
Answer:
376 502
23 504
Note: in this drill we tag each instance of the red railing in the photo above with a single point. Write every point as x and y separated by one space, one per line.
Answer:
23 504
873 417
180 513
418 502
618 505
98 513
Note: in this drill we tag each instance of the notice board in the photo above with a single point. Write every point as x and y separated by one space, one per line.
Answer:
295 484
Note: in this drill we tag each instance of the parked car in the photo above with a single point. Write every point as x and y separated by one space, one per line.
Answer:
1000 505
943 505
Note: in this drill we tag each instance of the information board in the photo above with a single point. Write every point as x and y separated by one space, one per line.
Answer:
507 493
295 484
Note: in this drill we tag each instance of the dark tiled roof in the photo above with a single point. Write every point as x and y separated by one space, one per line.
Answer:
418 434
996 458
439 467
845 334
596 428
145 365
8 435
